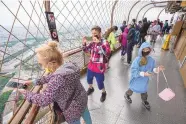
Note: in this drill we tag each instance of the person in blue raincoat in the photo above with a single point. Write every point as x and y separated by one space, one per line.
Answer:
142 68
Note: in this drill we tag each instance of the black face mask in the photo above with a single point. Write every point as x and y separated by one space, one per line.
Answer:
145 53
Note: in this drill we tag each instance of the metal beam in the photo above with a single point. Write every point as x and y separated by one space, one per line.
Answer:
112 13
47 5
147 5
150 9
131 10
160 13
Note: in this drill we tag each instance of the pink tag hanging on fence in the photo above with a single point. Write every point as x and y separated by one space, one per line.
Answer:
167 94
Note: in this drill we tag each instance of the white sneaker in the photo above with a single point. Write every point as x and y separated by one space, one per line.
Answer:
127 64
122 57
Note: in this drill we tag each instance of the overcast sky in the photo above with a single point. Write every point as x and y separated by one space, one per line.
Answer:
7 18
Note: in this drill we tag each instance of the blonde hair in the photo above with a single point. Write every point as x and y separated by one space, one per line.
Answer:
50 52
143 61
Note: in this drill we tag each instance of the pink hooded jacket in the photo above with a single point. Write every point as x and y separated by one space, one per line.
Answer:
124 37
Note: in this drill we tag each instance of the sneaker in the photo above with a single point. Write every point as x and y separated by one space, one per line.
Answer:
122 57
146 104
103 96
128 98
127 64
90 91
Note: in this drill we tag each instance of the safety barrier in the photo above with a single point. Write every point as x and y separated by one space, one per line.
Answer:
27 29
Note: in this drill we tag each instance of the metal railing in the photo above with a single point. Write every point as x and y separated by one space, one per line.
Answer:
23 28
31 113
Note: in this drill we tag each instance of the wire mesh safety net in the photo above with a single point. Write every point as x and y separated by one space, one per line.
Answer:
23 28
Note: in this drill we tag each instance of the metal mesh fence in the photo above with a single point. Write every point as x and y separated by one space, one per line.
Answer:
74 19
23 28
122 10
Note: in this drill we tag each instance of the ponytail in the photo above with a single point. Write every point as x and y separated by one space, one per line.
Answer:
143 61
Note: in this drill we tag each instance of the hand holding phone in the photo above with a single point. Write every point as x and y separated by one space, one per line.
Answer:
96 39
84 40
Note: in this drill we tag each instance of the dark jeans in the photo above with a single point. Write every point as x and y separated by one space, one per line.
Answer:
144 96
129 51
123 50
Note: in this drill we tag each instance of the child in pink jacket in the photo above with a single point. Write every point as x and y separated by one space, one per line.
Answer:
124 42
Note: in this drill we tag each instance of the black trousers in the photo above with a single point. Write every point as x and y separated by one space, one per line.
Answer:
144 96
129 51
142 39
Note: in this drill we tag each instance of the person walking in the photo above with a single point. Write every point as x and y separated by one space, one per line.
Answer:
100 51
124 25
111 38
130 44
143 31
124 42
142 68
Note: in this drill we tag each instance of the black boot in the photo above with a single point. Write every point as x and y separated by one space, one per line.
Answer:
127 97
103 96
146 104
90 91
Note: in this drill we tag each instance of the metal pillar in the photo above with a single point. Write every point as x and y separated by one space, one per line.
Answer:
147 11
152 8
131 10
160 13
112 13
47 5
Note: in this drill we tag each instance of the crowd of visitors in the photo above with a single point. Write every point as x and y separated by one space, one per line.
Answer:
64 89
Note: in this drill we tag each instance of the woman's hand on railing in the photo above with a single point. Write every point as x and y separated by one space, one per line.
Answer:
29 82
22 91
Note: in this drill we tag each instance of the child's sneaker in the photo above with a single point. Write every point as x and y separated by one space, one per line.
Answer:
128 98
146 104
127 64
138 46
90 91
103 96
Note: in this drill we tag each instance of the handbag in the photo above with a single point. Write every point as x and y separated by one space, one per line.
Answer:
57 116
167 94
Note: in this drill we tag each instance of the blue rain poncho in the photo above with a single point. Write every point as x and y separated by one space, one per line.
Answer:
138 83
